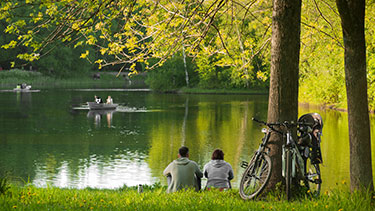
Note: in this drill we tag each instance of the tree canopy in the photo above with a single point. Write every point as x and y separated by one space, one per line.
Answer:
228 41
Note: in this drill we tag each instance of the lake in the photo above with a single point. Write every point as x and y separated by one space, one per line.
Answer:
51 138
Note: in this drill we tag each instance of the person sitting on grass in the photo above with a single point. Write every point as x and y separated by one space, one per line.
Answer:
218 172
183 173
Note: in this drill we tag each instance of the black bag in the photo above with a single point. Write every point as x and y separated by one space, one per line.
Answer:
310 135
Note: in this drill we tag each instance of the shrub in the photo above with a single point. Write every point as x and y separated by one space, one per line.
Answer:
4 186
171 75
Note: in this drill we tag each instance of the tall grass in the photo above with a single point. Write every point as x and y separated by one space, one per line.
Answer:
155 198
4 186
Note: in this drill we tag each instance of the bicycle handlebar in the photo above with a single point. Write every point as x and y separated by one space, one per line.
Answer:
285 124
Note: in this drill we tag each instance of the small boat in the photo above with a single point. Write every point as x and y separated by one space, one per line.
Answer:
101 106
23 90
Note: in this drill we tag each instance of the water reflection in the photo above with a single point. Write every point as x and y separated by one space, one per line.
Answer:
206 126
134 143
98 114
97 172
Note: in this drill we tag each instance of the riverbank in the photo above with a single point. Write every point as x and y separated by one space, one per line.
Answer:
10 78
253 91
155 198
259 91
336 107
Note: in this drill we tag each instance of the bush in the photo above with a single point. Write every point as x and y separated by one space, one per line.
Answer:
4 186
171 75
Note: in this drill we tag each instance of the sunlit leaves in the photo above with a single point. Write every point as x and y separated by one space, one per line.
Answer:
99 61
78 44
84 55
11 44
28 56
322 63
138 30
91 40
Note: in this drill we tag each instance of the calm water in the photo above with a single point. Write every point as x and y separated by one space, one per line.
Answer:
49 138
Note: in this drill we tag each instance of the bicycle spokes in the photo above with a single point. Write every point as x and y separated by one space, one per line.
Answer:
313 179
255 177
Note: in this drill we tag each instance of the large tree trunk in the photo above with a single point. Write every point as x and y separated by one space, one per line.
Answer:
283 94
352 13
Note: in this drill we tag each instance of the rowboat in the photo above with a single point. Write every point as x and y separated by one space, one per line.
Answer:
101 106
23 90
20 90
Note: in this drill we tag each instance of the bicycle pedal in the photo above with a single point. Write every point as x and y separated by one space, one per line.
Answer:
244 164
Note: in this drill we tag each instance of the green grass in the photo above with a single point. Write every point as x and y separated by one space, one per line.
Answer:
9 79
155 198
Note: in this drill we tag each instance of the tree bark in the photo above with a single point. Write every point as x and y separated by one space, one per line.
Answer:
283 92
352 13
185 67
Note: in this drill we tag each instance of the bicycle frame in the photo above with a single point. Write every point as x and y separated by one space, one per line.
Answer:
297 159
261 148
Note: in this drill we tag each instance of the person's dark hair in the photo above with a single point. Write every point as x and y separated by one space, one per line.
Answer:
218 154
183 151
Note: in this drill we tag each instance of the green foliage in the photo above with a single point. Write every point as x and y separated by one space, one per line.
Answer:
208 75
231 48
10 78
63 62
171 75
19 74
370 44
322 78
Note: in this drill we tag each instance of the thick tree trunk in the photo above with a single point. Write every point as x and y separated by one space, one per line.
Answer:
352 13
283 94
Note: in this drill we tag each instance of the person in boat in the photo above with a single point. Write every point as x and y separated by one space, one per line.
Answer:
183 173
98 99
218 172
109 100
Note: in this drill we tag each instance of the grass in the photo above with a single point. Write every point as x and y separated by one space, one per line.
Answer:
9 80
155 198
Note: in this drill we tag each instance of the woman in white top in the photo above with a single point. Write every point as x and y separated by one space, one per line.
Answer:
109 100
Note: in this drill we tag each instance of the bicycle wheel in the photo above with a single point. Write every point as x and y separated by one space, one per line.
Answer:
288 174
255 177
313 180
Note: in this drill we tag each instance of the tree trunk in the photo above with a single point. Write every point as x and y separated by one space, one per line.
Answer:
352 13
283 93
186 71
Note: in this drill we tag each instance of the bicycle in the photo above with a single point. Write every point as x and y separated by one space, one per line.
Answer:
301 159
296 163
258 171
